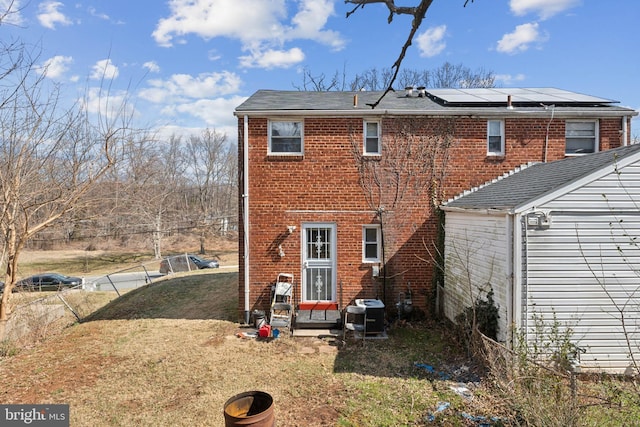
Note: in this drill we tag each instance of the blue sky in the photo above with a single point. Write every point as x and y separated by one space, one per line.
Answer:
186 64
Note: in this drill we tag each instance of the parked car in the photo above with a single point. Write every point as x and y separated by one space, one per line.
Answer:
174 264
47 282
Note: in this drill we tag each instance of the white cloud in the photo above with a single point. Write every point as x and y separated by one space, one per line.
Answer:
55 67
213 55
180 87
104 70
152 66
262 27
49 15
544 8
211 112
272 58
12 9
520 39
94 12
245 20
309 21
430 42
109 104
509 79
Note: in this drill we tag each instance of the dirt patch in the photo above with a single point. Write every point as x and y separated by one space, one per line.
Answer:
55 368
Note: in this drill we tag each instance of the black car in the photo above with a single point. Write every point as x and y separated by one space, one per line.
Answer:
203 263
47 282
187 262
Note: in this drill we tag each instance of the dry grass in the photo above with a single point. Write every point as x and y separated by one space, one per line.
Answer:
79 262
167 354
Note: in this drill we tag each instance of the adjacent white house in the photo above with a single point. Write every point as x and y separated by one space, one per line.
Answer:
558 241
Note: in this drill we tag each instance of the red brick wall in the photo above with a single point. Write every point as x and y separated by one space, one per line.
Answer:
284 189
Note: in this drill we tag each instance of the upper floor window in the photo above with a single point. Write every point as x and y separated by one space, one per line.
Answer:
371 243
372 144
495 138
581 137
285 137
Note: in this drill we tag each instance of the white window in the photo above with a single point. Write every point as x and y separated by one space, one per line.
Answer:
495 137
371 243
285 138
372 138
581 137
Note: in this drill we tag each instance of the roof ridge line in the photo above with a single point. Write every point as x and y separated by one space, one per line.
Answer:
509 173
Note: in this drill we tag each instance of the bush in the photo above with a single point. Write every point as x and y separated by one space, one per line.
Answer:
482 317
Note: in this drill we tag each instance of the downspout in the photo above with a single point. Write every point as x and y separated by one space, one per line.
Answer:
511 283
524 273
625 130
245 216
546 137
380 212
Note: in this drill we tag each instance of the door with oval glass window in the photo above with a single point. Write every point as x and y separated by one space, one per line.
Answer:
319 262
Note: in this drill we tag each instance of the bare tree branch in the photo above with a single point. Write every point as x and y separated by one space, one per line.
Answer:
418 13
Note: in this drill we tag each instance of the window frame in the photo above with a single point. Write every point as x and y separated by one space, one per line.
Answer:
271 138
365 137
501 135
378 243
596 136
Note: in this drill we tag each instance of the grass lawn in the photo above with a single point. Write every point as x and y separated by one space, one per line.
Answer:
168 354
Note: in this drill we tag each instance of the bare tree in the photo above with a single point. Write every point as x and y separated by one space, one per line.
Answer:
320 82
414 167
418 12
50 156
208 158
446 75
151 179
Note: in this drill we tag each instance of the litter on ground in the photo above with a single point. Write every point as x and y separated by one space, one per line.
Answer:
441 407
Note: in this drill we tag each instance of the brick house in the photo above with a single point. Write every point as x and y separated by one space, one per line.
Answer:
344 196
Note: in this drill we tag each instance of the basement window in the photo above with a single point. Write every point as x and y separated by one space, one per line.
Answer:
285 138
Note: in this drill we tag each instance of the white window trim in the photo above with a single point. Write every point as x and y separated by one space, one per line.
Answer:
364 138
596 142
284 153
502 139
378 243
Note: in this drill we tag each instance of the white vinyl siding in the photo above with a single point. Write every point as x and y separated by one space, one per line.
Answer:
586 268
583 269
581 137
286 137
495 138
476 248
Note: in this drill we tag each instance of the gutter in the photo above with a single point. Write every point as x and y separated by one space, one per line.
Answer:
245 216
473 113
483 211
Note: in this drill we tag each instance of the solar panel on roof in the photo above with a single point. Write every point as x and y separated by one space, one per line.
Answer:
518 95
